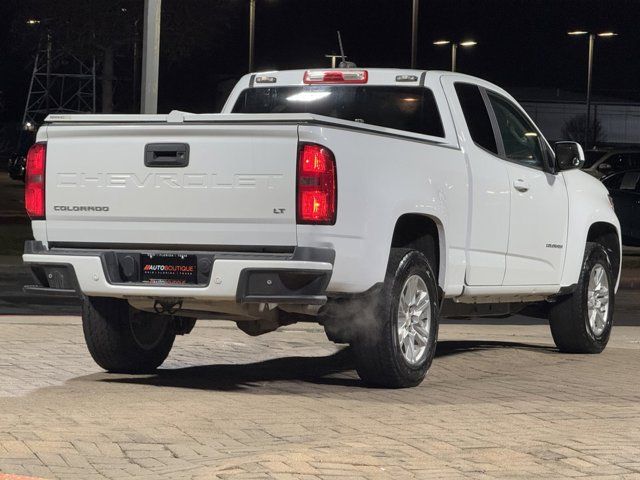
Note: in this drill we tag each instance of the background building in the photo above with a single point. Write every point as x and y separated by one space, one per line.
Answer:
560 114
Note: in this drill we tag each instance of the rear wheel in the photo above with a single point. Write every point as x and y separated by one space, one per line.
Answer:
581 323
122 339
396 341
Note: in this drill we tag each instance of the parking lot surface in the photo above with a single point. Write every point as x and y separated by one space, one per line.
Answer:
499 401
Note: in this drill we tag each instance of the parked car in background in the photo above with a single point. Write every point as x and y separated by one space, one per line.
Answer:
600 163
16 166
624 188
18 161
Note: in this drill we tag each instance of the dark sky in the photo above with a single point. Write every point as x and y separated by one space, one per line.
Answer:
520 44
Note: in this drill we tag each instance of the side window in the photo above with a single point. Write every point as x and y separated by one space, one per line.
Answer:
476 116
625 161
615 163
519 136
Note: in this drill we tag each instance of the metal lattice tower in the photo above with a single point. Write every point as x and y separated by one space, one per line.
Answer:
60 83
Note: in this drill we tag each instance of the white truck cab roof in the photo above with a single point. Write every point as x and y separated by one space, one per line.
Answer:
401 77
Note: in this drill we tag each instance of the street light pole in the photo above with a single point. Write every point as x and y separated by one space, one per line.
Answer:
592 39
454 49
414 34
150 56
333 59
252 31
48 77
454 56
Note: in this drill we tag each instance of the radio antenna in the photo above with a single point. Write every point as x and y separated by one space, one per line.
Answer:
343 62
344 59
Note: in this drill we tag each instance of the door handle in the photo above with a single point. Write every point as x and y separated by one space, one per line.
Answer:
521 185
166 155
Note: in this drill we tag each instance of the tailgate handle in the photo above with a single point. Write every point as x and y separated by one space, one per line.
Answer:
166 155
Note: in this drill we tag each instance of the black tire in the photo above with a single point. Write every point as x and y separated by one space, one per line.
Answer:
124 340
379 357
569 318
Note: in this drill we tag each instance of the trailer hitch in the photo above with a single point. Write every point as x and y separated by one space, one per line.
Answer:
169 306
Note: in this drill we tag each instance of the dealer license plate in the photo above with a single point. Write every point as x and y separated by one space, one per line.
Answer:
169 268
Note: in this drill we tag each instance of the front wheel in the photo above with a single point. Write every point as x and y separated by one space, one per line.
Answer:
581 323
124 340
396 338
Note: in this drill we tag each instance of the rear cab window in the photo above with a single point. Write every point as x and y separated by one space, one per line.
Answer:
411 109
624 161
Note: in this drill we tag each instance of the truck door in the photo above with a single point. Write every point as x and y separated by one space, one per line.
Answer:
488 225
539 200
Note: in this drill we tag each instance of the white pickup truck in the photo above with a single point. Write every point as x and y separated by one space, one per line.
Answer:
371 201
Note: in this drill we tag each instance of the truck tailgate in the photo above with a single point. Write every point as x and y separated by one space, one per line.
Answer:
238 188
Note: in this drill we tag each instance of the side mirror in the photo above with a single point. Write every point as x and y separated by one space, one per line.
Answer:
604 167
569 155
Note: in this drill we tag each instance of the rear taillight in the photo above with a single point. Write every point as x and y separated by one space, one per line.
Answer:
335 76
34 181
317 190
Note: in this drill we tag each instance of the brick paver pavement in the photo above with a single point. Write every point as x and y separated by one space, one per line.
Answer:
499 402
